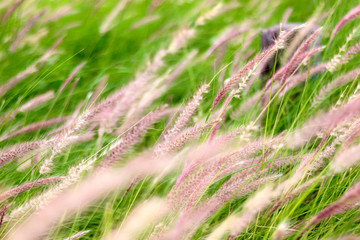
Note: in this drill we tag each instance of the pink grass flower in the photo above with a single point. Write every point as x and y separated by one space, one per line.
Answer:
132 137
98 90
157 89
19 150
77 235
14 80
191 219
346 159
22 32
343 79
34 127
85 193
71 76
34 67
325 121
297 55
27 186
354 13
187 113
292 194
3 212
350 199
29 105
244 73
182 138
233 32
10 10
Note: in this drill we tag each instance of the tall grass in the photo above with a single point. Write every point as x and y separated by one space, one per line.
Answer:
156 120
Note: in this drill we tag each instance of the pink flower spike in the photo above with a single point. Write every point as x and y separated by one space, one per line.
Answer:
2 213
132 137
71 76
354 13
9 11
18 151
35 126
27 186
349 200
298 54
77 235
20 35
188 111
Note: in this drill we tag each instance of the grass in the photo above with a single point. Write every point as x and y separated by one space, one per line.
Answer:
124 51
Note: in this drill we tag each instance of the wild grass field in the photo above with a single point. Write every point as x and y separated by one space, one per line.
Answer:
187 119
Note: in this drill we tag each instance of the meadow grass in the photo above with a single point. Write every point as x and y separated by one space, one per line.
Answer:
127 51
